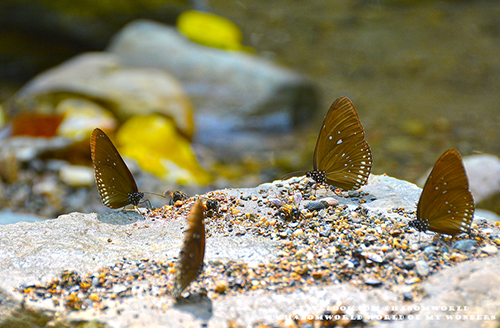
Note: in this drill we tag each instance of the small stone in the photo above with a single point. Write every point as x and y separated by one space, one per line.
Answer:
374 257
458 257
283 234
373 282
422 268
489 249
298 233
353 193
315 206
408 264
317 274
221 286
412 280
430 250
301 269
329 201
95 297
300 253
326 232
407 296
465 245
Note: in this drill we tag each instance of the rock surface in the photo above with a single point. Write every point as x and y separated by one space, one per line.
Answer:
35 253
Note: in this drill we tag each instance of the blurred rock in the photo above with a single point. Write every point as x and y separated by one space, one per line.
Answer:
77 175
26 149
237 96
100 78
81 116
160 150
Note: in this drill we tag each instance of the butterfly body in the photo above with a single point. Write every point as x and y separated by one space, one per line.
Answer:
446 205
115 183
191 257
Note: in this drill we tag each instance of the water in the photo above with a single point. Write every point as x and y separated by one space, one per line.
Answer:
423 75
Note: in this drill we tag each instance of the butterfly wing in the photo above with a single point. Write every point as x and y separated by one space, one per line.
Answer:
191 257
341 150
446 204
114 181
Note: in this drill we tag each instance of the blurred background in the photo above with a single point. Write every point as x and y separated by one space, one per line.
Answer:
210 94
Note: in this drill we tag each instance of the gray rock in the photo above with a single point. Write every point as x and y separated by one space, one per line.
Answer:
234 93
102 78
34 253
465 245
315 205
422 268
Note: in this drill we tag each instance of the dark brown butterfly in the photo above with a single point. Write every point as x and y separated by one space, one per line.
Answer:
114 181
191 257
446 204
342 157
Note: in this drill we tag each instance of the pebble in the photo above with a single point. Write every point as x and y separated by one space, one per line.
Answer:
221 286
489 249
329 201
408 264
353 193
317 274
412 280
422 268
326 232
465 245
458 257
298 233
407 296
430 250
373 282
315 206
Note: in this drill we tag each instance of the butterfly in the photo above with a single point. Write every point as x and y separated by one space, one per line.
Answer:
115 183
446 205
342 157
193 251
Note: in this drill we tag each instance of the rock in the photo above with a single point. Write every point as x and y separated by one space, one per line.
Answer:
77 175
315 205
422 268
329 201
483 172
489 249
34 254
81 116
407 296
408 264
234 93
101 77
465 245
353 193
373 282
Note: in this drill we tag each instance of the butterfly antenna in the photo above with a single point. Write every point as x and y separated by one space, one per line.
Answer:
155 194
